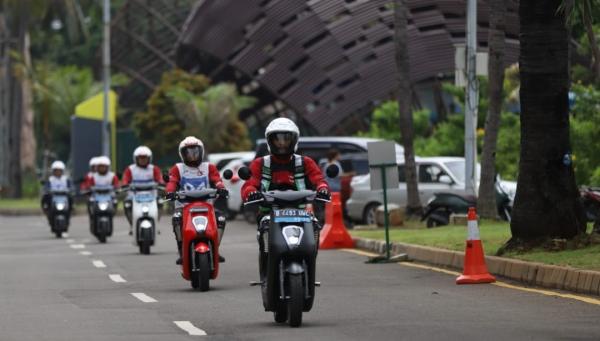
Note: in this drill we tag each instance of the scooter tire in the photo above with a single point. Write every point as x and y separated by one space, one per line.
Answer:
101 238
58 234
201 278
296 300
145 248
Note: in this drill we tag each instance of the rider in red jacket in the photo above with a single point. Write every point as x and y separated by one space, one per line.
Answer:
193 174
288 171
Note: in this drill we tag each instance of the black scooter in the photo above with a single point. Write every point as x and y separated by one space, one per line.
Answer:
59 212
443 204
288 241
102 208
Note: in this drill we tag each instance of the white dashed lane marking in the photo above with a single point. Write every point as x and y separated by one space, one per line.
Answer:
190 328
77 246
143 297
99 264
117 278
85 253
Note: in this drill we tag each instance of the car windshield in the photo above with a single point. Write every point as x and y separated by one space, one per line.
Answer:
457 168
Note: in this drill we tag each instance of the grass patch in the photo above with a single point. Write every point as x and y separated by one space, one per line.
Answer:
493 235
25 203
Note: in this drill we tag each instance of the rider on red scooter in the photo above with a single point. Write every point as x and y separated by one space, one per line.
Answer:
193 174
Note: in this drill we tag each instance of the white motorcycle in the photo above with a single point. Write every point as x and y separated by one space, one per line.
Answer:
144 214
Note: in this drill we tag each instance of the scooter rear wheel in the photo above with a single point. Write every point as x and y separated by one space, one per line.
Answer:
296 300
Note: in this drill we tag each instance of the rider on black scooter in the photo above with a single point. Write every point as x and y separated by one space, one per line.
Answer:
57 181
193 174
282 169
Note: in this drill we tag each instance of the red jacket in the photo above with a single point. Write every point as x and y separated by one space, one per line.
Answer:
174 178
127 176
284 176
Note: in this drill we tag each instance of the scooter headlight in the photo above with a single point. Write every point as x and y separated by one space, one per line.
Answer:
60 206
103 206
145 209
145 224
200 223
293 235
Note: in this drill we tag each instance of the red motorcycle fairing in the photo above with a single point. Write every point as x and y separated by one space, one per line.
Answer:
208 240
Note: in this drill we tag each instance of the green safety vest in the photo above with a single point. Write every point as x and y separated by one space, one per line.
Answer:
299 177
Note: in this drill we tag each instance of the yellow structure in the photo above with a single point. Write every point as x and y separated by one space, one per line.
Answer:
93 109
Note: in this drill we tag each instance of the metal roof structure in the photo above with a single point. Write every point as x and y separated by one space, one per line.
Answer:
327 61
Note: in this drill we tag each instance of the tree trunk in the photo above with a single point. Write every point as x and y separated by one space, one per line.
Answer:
587 22
486 202
4 101
413 205
547 201
28 141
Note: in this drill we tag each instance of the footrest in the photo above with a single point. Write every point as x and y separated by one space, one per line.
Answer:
256 283
317 284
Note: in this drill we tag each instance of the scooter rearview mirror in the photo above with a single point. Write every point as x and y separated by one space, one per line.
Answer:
332 171
228 174
244 173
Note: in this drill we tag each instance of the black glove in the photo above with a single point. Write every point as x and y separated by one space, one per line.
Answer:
254 196
222 192
324 194
170 196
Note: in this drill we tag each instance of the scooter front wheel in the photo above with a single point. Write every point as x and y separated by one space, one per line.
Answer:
296 300
201 278
145 248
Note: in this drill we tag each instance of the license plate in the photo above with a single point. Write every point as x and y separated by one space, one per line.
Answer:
291 215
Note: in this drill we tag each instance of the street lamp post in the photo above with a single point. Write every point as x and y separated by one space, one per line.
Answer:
471 100
106 79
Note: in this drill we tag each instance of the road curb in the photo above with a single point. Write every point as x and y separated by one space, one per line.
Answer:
530 273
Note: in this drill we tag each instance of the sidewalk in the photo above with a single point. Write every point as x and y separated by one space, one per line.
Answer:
529 273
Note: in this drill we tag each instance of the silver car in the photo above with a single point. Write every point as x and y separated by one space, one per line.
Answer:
435 174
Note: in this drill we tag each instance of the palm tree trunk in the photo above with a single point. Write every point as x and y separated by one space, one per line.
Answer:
547 201
486 203
413 205
4 100
28 141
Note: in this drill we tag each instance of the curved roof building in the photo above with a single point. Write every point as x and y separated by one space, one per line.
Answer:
325 62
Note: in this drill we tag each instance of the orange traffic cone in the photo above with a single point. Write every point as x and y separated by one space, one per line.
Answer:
475 271
334 234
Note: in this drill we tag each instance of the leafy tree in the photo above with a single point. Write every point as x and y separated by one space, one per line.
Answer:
585 132
213 116
159 127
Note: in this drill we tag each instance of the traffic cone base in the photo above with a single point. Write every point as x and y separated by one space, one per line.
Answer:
334 234
474 271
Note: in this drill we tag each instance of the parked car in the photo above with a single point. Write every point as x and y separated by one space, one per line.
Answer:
317 146
234 202
220 160
435 174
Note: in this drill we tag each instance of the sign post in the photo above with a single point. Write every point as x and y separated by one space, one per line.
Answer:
384 175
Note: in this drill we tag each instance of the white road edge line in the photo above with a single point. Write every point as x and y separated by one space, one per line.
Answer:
116 278
77 246
143 297
85 253
190 328
99 264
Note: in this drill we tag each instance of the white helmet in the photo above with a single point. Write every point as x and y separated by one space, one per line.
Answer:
191 151
142 151
102 161
93 161
58 165
286 132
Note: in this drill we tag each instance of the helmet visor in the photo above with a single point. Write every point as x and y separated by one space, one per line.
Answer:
142 160
282 142
192 154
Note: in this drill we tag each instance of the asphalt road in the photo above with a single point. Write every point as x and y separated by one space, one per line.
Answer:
61 289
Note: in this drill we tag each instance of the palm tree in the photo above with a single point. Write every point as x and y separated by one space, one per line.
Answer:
486 202
580 11
404 95
547 201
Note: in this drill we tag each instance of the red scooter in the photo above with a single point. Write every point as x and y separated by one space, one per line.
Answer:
200 238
